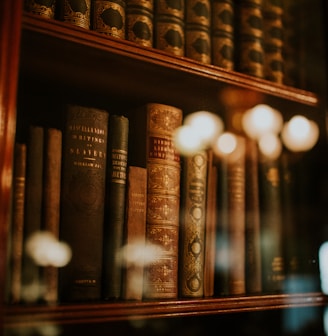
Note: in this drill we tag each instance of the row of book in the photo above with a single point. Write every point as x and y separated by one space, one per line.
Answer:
261 38
143 222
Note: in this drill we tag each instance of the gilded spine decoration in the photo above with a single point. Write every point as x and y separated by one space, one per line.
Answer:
192 230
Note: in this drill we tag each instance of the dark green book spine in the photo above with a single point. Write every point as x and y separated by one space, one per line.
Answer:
273 265
75 12
115 206
82 201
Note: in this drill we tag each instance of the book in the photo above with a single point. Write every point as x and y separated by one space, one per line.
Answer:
75 12
44 8
31 281
135 233
169 28
109 17
117 157
140 22
82 201
17 226
249 50
197 31
273 40
151 146
51 204
273 263
210 226
222 33
192 225
253 272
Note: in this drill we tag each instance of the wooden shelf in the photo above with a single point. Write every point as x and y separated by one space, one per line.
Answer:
104 65
26 316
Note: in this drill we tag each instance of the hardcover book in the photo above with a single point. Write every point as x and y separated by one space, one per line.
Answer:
197 30
222 32
51 203
45 8
76 12
151 146
139 22
17 226
192 225
117 157
109 17
82 201
134 251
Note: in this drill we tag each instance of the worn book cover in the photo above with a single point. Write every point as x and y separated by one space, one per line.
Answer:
82 201
151 146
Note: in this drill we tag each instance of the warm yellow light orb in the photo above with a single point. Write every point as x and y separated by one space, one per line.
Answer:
225 144
187 141
270 146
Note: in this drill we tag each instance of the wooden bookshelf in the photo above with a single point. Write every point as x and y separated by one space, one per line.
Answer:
56 55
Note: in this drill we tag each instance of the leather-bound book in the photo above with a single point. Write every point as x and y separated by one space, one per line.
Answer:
222 33
82 201
51 204
44 8
197 30
273 40
192 225
249 50
115 205
33 211
139 22
273 263
169 27
134 252
151 141
109 17
17 224
75 12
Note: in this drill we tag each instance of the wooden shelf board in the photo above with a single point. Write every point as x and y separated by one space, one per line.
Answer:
29 315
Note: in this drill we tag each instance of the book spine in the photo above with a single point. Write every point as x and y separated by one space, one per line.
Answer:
140 22
249 51
210 226
109 17
236 219
153 141
252 225
82 201
115 205
222 31
273 265
192 226
197 30
135 233
169 30
33 210
76 12
44 8
51 203
273 40
17 228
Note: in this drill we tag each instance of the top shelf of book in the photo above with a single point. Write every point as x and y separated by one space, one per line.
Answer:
95 63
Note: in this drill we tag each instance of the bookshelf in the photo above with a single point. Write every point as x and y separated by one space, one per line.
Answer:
58 61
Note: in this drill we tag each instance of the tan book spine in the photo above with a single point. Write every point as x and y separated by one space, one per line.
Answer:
152 147
17 228
192 226
51 203
135 233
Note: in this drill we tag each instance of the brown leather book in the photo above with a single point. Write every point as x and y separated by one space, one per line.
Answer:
75 12
135 233
82 201
44 8
192 225
151 146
